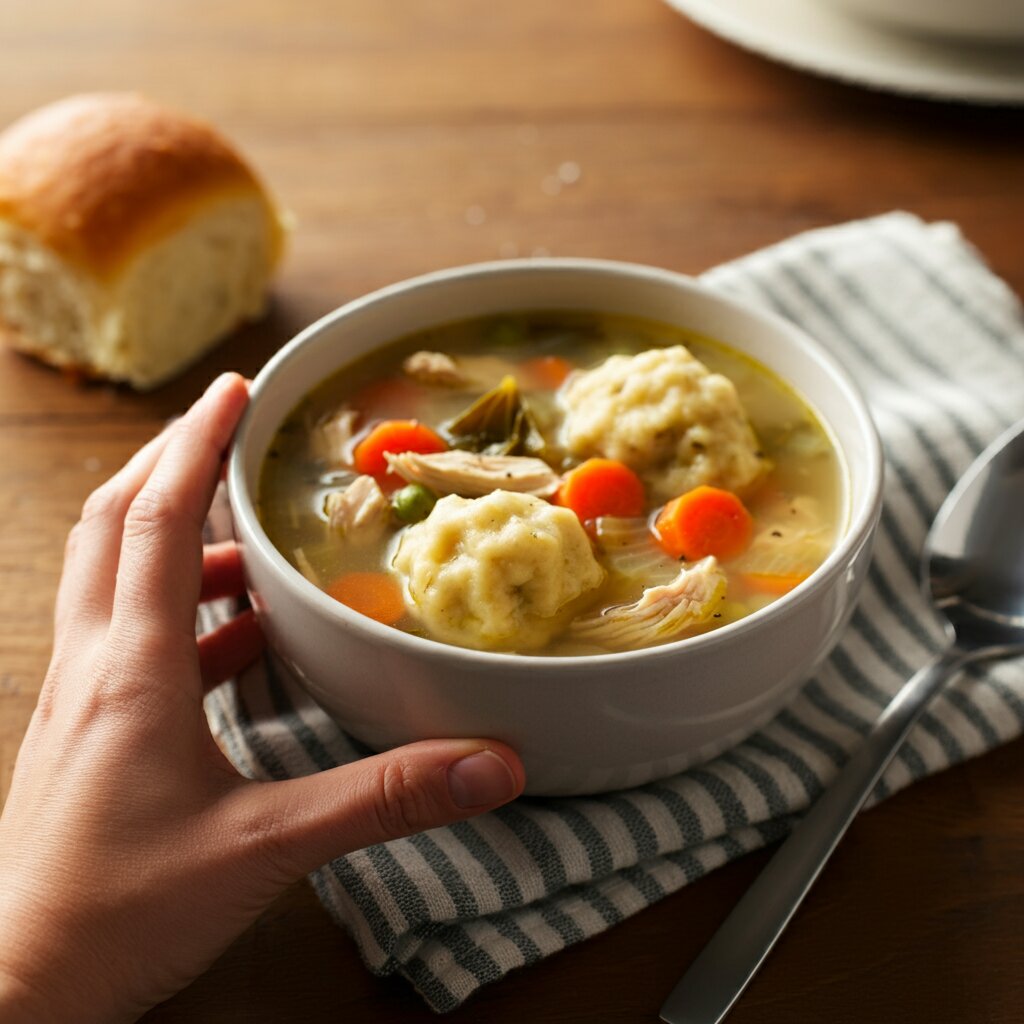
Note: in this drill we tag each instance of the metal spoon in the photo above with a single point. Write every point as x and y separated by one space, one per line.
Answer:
973 572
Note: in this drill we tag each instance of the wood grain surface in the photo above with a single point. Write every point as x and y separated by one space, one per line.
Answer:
408 136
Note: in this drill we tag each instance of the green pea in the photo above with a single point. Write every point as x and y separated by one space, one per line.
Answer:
413 503
505 332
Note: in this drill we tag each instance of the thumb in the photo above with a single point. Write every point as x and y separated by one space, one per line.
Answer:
304 823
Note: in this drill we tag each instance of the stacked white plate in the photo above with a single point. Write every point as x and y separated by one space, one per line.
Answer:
825 37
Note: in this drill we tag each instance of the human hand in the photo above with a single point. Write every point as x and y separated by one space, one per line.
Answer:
131 851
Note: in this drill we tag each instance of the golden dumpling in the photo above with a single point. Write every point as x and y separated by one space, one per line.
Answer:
496 573
667 416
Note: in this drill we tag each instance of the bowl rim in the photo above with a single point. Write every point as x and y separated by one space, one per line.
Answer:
860 526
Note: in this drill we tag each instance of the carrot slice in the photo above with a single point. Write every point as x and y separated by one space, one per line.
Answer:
394 436
546 371
777 583
704 521
601 487
374 594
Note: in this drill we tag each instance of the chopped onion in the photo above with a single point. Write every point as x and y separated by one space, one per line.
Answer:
791 540
629 549
304 566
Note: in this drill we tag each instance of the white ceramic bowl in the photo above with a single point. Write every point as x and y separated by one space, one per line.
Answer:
581 724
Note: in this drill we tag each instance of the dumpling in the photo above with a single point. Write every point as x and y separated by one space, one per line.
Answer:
499 572
668 417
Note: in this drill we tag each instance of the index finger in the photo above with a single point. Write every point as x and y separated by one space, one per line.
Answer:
86 592
160 569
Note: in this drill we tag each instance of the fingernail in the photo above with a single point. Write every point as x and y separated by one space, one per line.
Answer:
480 780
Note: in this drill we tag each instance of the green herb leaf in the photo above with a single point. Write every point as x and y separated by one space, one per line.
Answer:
497 423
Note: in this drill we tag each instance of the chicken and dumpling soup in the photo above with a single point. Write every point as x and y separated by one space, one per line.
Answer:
553 483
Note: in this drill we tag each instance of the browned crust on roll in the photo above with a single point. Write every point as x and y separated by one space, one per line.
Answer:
98 176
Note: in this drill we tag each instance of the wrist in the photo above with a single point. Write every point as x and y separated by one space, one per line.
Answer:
23 997
42 979
50 995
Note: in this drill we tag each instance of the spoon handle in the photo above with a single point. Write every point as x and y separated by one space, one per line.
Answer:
715 980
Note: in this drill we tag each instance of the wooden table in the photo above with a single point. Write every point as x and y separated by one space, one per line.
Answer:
409 136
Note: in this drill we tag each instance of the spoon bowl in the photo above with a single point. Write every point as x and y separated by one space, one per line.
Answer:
974 556
973 573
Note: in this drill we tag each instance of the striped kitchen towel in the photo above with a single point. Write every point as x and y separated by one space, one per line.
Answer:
937 344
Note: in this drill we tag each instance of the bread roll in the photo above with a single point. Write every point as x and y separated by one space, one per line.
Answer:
132 237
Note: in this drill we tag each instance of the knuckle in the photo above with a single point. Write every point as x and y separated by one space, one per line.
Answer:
86 695
264 832
74 541
102 504
112 679
260 828
153 512
402 804
132 655
118 697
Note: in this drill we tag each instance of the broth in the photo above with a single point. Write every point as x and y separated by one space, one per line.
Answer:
793 492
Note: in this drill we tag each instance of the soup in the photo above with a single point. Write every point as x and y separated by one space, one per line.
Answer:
553 483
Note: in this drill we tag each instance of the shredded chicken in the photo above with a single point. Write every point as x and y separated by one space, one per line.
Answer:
332 437
360 512
661 614
434 368
472 475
